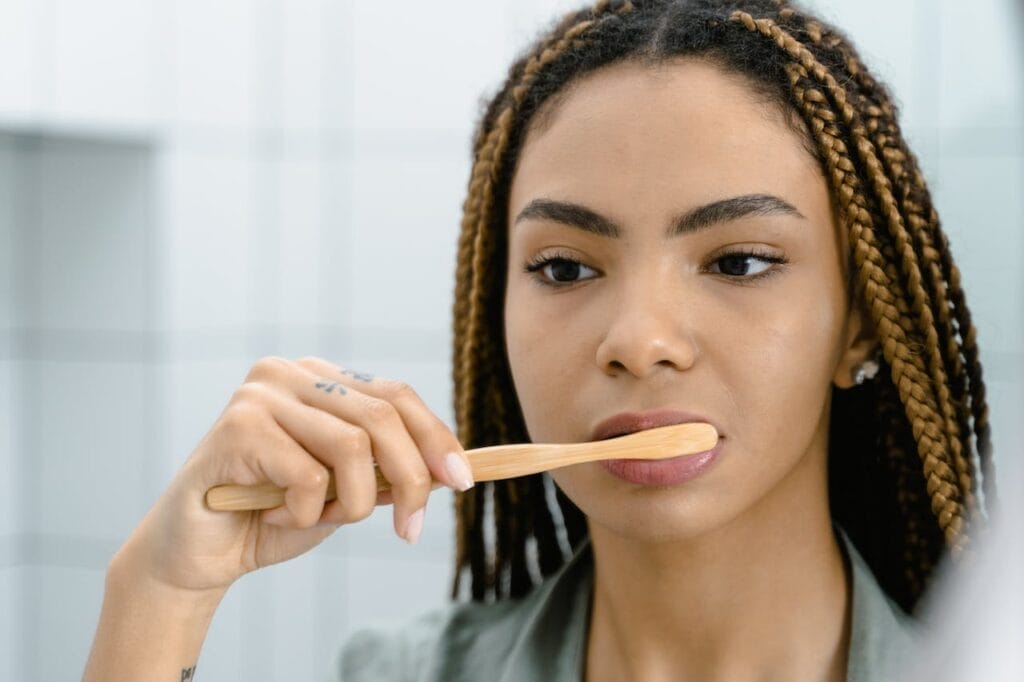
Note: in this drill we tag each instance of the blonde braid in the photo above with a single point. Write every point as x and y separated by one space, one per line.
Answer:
944 277
920 297
473 356
907 369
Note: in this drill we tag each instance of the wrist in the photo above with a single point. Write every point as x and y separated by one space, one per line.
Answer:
148 629
129 578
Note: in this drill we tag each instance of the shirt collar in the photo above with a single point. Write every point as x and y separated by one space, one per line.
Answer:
553 638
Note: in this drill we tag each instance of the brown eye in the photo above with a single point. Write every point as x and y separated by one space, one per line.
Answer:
745 265
557 271
562 270
734 265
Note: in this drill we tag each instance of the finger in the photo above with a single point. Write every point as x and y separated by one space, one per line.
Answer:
340 446
442 451
397 456
279 459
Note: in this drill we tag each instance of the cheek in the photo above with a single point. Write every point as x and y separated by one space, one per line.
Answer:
540 371
800 345
523 337
780 371
551 351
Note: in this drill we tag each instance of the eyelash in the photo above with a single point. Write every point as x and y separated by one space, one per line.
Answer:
535 265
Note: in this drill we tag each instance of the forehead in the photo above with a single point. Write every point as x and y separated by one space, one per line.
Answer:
684 127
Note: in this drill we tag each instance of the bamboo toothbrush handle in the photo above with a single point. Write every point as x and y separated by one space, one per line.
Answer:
507 461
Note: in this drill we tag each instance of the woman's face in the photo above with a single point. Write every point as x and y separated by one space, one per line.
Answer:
738 314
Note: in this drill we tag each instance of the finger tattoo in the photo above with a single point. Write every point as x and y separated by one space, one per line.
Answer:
330 386
361 376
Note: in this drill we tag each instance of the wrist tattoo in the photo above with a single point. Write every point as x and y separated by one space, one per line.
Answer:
188 674
330 386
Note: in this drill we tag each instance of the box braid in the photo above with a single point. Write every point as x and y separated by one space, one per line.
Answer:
906 449
944 277
915 203
855 205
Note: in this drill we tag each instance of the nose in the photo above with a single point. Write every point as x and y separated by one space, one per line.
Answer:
647 332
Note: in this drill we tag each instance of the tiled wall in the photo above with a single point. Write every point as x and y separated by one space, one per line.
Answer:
185 187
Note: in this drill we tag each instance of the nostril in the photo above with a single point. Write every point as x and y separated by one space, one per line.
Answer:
615 367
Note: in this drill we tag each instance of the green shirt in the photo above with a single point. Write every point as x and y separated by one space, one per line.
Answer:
543 635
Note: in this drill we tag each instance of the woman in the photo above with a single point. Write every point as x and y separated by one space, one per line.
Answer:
678 211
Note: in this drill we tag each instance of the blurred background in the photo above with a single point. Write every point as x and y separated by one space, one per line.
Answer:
186 187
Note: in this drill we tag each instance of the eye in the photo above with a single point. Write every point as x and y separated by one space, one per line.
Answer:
559 271
746 265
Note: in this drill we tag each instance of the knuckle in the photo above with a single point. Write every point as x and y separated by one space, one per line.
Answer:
361 512
251 392
415 480
380 411
267 366
308 360
242 415
351 509
397 389
353 439
422 479
443 432
317 477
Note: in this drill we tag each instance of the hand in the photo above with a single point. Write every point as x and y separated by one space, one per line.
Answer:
290 423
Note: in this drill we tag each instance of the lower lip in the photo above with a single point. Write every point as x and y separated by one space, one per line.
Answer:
668 471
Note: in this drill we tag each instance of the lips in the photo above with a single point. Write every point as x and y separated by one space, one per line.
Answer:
631 422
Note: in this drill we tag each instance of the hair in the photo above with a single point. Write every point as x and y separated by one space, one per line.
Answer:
906 449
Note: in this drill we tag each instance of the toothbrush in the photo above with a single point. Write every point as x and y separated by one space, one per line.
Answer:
508 461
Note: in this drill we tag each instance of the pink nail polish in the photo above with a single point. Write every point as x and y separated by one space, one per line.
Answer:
414 526
458 470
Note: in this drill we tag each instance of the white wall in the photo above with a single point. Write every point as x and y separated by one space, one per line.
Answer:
185 187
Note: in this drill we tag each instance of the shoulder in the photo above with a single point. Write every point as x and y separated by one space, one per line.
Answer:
393 653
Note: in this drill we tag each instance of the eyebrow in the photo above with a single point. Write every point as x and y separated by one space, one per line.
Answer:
694 220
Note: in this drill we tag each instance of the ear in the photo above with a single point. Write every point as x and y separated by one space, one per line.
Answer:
860 344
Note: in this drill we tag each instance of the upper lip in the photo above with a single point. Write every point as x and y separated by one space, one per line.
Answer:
630 422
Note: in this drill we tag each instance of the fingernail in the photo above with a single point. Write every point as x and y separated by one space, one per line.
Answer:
414 526
457 469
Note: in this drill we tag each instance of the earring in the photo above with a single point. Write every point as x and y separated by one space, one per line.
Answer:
867 370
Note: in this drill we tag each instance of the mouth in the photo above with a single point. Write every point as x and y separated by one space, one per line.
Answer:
666 472
630 422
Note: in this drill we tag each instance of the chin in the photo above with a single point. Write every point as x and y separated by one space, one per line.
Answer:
655 514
